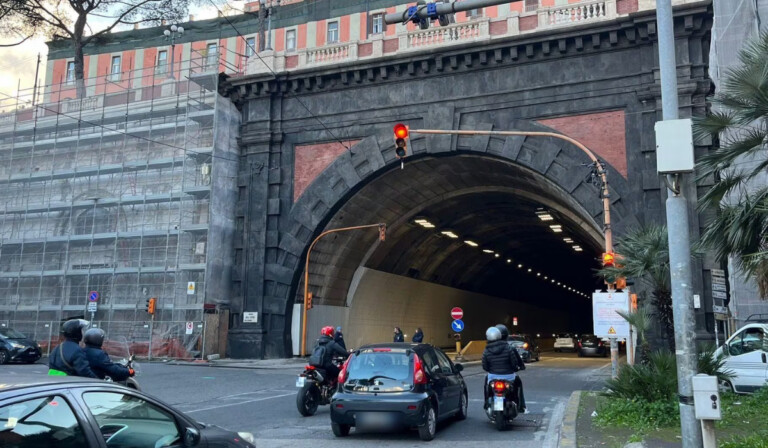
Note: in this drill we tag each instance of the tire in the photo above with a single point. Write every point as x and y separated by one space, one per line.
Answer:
307 400
538 356
428 429
340 430
581 354
725 386
500 420
463 407
4 356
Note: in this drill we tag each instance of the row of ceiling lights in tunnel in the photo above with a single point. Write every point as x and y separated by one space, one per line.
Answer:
542 215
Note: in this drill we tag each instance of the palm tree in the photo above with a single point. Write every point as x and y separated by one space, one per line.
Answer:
643 253
641 320
741 126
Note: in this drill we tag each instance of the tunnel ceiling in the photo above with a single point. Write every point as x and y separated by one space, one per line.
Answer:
488 201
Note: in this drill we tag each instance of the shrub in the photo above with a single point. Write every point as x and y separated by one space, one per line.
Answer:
713 365
653 381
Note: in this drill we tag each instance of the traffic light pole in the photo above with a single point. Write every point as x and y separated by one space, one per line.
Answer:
382 232
423 11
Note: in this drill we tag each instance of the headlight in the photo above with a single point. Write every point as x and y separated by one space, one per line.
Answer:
17 345
248 437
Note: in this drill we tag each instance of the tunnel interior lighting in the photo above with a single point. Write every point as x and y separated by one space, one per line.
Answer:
538 274
557 228
471 243
568 240
520 265
553 280
496 255
509 260
449 234
529 269
577 248
544 215
488 251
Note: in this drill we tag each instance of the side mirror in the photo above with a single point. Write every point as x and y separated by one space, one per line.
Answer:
191 437
458 367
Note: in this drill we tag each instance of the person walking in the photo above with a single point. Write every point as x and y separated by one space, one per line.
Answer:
398 335
418 336
338 338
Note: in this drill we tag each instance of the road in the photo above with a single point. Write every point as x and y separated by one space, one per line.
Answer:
262 401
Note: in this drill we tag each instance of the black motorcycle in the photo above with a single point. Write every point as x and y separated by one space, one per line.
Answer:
502 406
315 388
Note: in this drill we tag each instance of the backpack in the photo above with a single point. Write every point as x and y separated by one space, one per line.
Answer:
317 358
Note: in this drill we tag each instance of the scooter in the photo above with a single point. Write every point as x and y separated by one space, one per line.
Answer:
127 361
501 408
315 388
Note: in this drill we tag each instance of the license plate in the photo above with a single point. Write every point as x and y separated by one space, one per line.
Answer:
300 381
498 403
379 420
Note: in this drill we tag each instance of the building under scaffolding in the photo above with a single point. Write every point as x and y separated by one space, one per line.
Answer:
113 193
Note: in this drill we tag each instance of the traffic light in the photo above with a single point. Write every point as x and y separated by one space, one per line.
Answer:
151 305
382 232
401 140
608 259
309 301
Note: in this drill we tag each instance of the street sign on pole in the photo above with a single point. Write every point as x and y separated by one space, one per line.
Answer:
93 296
92 307
457 313
190 327
514 321
457 325
607 323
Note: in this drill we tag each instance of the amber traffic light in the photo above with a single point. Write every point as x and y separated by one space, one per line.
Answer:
309 301
608 260
151 305
401 140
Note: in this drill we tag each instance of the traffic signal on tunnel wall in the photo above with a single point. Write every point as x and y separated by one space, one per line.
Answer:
151 305
309 301
401 141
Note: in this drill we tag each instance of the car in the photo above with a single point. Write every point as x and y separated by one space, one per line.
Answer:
746 357
75 412
398 385
591 345
565 341
525 345
14 346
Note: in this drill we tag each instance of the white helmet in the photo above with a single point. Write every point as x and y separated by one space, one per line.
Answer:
492 334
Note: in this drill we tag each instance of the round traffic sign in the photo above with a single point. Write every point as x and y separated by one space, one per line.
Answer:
457 325
93 296
457 313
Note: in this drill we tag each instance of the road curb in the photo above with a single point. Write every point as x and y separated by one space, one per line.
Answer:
568 430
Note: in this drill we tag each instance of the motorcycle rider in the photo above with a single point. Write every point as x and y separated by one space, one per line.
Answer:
68 358
99 360
339 338
500 361
324 351
518 382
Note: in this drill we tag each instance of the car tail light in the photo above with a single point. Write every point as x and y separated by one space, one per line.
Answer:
343 374
310 367
600 344
499 387
382 349
525 346
579 344
418 371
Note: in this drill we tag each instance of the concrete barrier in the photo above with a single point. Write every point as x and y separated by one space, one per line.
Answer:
474 348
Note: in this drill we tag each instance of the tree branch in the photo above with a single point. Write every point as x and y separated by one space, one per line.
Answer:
117 21
17 43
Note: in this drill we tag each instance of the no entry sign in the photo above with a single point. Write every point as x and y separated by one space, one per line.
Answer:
457 313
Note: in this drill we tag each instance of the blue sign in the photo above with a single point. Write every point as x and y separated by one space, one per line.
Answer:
93 296
457 325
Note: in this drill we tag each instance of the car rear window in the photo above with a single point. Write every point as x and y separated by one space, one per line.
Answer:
380 370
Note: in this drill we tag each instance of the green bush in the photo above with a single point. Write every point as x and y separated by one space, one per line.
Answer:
755 441
637 414
653 381
711 365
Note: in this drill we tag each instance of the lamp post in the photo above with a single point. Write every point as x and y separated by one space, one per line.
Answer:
265 8
173 33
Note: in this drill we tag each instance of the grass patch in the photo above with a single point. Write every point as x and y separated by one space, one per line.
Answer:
638 415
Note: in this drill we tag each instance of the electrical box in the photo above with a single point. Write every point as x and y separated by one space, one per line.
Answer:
706 397
674 146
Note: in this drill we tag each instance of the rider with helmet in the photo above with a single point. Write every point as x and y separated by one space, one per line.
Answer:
502 361
324 351
68 358
99 360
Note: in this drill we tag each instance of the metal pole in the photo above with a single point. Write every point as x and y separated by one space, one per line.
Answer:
717 339
442 9
269 28
173 53
151 326
709 438
614 357
679 242
306 277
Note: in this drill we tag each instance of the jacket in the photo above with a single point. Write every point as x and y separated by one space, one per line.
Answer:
75 356
102 366
399 337
501 359
338 338
331 349
418 336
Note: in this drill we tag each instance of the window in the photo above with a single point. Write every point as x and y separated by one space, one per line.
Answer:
70 72
212 54
115 72
127 421
749 340
290 40
162 62
333 32
430 362
95 220
445 363
250 46
377 24
46 421
474 13
531 5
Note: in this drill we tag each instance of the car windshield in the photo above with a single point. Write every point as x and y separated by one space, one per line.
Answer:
564 336
11 334
516 340
380 370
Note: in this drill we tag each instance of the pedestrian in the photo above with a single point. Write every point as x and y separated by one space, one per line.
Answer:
418 336
68 358
399 335
338 338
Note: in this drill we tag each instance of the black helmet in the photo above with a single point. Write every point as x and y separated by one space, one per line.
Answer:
94 337
504 332
73 329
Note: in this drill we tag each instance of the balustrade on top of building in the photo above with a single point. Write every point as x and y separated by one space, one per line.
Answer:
575 13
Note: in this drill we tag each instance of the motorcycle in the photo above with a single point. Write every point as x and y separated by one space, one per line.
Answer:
119 351
315 388
502 407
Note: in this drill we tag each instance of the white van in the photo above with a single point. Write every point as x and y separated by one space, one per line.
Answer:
746 356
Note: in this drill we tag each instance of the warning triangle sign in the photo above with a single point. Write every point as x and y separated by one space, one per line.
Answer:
611 331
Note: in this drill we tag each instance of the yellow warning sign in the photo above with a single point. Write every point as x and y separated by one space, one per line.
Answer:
611 331
190 288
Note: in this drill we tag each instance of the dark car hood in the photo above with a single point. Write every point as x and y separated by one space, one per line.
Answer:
23 341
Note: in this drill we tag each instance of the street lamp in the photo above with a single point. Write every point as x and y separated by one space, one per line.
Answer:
265 8
173 33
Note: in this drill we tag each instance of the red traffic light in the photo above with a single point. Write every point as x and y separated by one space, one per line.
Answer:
401 131
608 259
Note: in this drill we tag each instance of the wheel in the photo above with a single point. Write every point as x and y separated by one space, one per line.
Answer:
581 354
538 356
427 430
557 350
463 406
340 430
307 400
4 357
500 420
725 386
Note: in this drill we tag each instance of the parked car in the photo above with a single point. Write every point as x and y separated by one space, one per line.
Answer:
746 356
14 346
565 341
75 412
398 385
591 345
525 345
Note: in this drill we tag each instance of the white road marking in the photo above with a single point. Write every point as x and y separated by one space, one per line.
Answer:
239 403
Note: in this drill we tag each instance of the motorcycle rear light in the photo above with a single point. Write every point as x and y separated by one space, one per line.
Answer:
310 367
411 407
499 386
418 371
339 406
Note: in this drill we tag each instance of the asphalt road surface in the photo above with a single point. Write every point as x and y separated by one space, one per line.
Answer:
262 401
